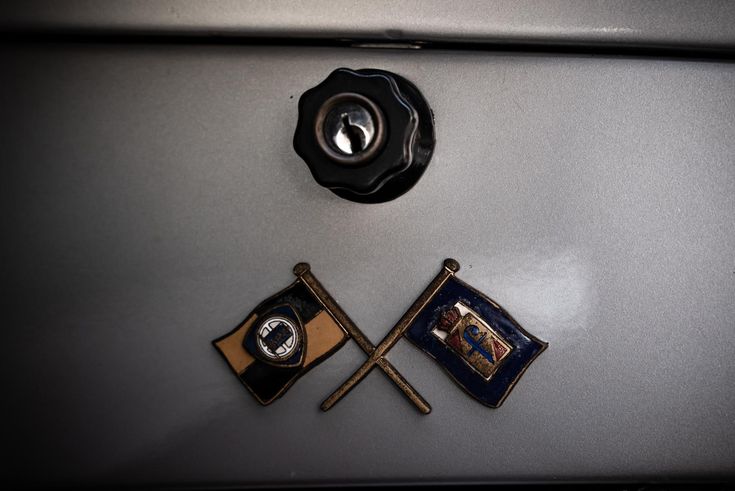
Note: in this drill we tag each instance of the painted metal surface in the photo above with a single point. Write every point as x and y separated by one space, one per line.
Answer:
150 193
706 24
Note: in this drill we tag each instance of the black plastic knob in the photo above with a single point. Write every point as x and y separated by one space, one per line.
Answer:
367 135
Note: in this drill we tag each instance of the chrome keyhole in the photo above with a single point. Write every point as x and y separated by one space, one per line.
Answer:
349 128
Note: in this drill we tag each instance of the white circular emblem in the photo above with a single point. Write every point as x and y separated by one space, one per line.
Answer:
277 338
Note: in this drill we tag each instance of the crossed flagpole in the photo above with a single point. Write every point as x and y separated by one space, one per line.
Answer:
303 272
376 357
376 354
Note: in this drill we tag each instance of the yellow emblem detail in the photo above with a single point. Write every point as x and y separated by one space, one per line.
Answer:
473 339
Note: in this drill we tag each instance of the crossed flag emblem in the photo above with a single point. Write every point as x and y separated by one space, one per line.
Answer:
482 348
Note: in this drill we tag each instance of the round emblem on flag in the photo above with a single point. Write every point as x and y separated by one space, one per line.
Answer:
277 338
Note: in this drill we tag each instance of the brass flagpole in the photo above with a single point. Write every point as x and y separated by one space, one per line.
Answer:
303 272
376 357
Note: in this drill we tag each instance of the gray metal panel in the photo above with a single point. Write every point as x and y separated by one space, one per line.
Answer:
151 198
671 23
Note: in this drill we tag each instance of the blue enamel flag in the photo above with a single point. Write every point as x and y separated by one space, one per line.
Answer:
481 346
477 342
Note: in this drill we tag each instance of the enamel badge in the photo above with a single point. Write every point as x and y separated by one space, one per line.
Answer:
479 344
292 332
281 340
